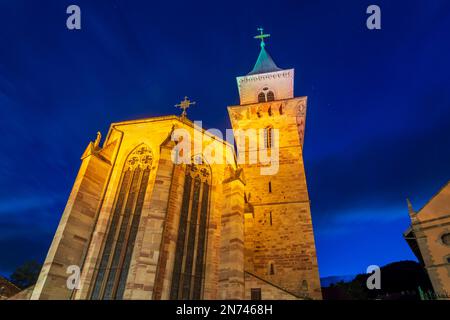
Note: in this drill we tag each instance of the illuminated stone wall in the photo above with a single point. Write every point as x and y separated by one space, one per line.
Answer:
81 240
72 237
279 239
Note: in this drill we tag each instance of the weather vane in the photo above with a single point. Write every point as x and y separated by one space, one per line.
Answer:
184 105
261 36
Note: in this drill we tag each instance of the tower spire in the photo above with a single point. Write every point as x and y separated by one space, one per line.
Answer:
264 63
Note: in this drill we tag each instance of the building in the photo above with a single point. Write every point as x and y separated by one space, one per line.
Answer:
429 239
140 225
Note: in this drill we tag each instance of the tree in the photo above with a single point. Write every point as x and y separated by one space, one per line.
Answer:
26 275
399 281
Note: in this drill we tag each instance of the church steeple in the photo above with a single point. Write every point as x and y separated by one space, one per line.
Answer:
265 62
266 82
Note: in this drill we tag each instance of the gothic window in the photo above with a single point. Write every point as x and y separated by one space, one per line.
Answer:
190 252
270 96
121 235
255 293
268 137
446 239
270 217
261 97
270 187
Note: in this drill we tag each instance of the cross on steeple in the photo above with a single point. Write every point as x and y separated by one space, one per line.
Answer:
184 105
261 36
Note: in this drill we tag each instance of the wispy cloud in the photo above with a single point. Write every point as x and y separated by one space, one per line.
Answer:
13 205
346 221
383 214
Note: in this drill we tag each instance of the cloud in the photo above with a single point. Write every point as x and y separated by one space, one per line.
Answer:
340 223
21 248
27 226
382 173
13 205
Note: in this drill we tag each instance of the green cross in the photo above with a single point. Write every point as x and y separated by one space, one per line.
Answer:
261 36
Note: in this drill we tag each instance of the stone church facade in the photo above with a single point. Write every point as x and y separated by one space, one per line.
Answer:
138 225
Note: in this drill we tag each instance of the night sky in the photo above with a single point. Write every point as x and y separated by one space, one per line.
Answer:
378 121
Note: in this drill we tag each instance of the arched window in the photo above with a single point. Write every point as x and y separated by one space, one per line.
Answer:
268 137
121 235
190 252
270 96
261 97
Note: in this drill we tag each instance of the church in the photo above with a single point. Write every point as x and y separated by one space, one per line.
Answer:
139 225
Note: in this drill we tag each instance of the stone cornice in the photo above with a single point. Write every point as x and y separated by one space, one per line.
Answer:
265 76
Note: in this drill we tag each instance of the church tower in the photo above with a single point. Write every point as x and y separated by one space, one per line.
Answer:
279 239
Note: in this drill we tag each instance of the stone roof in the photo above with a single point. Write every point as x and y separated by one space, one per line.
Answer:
264 64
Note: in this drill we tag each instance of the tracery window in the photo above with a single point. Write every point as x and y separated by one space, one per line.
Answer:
120 238
270 96
190 254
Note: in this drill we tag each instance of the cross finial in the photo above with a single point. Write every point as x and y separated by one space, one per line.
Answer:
261 36
184 105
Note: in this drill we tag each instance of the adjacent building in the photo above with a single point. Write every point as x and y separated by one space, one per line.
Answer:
429 239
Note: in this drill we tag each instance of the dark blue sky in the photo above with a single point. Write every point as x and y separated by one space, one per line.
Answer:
378 122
